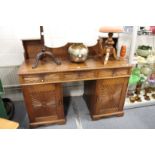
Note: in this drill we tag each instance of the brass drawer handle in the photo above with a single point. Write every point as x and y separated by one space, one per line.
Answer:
42 80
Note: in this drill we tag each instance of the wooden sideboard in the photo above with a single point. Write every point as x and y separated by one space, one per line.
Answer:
105 87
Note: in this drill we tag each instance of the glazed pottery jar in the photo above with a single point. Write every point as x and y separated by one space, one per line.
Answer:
143 53
78 52
143 50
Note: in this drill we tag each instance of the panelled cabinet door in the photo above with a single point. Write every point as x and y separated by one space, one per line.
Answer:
44 102
110 95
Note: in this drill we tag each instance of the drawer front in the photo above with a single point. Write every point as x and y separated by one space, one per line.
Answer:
121 71
109 73
105 73
45 78
33 79
80 75
52 77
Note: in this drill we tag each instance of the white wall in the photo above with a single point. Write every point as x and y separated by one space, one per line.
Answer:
11 50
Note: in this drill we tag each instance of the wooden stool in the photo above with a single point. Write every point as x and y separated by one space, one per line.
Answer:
6 124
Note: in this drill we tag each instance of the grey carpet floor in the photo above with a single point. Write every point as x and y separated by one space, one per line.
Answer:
77 116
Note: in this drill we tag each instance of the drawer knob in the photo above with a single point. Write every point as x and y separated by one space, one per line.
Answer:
42 80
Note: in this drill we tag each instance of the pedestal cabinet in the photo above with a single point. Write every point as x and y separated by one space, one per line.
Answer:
44 103
106 97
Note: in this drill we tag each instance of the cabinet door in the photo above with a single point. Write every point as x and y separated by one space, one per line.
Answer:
111 95
44 102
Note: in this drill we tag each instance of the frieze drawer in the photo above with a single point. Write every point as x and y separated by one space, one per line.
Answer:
74 76
105 73
113 72
34 79
121 72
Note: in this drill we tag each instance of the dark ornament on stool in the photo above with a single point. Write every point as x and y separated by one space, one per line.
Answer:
43 53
